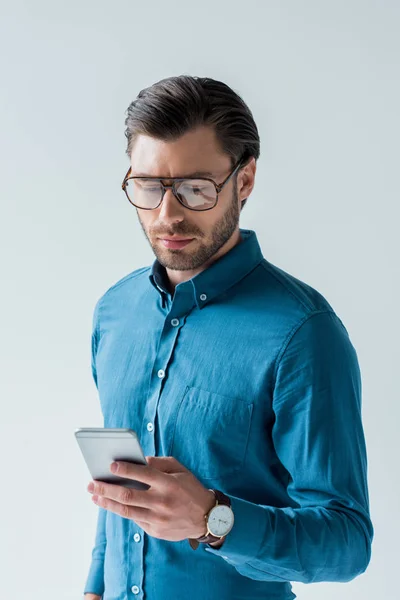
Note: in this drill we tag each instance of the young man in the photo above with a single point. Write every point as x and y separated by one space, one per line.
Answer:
239 379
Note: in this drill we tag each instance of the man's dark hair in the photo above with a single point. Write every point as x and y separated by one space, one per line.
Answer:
173 106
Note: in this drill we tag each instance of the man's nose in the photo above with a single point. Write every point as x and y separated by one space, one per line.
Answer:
170 207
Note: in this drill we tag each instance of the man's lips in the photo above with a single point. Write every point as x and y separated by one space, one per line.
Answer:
175 239
176 243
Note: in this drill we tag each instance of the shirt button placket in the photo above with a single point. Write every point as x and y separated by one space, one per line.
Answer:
148 447
135 589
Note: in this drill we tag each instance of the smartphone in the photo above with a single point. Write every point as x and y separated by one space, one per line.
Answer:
100 446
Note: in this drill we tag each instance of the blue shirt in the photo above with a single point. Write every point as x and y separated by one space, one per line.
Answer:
248 377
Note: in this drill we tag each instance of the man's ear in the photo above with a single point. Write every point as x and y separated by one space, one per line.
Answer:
246 179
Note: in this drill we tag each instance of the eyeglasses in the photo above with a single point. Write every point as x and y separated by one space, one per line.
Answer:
147 193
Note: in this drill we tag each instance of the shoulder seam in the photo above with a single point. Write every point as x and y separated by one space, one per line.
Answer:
293 331
113 287
279 280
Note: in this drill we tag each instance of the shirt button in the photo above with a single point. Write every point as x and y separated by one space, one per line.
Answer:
136 537
175 322
150 427
135 589
203 297
161 373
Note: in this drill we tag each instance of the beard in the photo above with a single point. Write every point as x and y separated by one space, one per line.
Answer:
201 253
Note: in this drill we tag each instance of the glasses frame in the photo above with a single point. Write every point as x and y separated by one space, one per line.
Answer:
218 187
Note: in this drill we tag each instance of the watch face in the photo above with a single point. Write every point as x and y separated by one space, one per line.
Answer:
220 520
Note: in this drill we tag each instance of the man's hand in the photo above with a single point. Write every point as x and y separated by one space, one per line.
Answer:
173 508
90 596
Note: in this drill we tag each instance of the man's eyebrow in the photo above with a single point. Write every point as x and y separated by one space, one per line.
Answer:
187 176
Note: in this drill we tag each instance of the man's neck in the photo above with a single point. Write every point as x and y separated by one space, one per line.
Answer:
176 277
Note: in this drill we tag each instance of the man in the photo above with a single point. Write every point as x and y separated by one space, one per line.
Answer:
239 379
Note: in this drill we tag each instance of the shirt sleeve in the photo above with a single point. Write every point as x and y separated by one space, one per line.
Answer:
95 578
95 339
319 439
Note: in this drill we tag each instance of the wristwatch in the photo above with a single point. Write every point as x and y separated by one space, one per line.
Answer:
219 521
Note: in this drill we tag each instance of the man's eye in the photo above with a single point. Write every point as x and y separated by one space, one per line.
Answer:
149 188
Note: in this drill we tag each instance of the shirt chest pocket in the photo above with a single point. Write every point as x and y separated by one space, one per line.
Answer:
211 433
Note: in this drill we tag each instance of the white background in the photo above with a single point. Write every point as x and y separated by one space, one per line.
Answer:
322 81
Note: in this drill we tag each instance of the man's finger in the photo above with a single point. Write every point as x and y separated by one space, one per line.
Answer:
166 464
123 495
128 512
144 473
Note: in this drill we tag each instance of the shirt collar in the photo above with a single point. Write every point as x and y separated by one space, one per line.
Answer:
221 275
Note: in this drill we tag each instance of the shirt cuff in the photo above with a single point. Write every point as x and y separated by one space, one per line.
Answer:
244 539
95 579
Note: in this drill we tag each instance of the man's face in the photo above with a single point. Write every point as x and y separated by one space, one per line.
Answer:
197 150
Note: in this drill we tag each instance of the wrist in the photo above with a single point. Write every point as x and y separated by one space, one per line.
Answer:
219 518
208 505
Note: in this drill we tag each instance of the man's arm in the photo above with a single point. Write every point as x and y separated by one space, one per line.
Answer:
95 579
318 437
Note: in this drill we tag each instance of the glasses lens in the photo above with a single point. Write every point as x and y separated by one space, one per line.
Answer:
196 194
143 193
